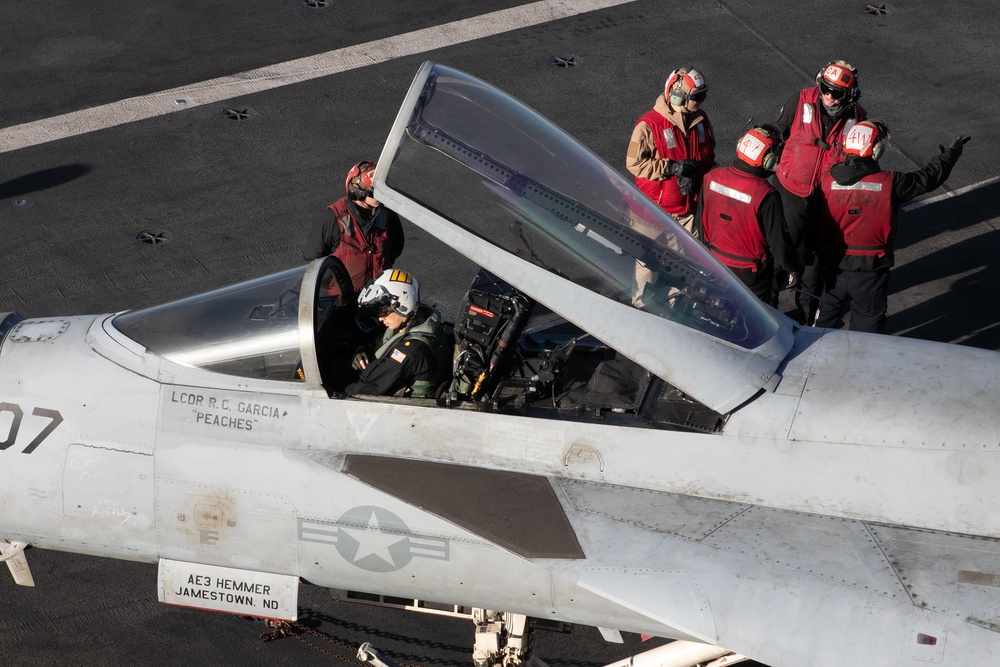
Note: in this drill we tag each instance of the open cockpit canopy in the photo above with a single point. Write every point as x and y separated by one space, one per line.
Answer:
514 193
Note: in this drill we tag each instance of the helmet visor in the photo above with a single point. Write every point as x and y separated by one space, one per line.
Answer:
377 301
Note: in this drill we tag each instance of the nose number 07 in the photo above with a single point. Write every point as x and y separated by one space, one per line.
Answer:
17 415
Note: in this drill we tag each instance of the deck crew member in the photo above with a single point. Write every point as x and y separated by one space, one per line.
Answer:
366 236
740 216
672 146
858 225
813 123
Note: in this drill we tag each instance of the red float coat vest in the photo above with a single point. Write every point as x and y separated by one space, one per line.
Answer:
858 219
672 144
363 258
729 204
805 156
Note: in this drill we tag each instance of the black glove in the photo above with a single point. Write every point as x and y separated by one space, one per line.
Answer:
686 185
956 146
679 168
360 360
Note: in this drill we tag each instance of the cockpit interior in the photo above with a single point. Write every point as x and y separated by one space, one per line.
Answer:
510 354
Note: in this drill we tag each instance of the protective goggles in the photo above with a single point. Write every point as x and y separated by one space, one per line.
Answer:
699 97
835 93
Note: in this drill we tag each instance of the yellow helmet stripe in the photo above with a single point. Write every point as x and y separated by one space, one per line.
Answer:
400 277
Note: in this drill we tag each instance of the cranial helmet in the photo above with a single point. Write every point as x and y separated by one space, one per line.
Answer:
685 83
760 146
360 180
392 291
839 79
867 139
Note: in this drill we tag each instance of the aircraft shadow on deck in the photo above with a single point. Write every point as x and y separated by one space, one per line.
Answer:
42 180
967 311
406 647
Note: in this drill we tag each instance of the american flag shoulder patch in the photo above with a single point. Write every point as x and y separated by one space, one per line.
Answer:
398 356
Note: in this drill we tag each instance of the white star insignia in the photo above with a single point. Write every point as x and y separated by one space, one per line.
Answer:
373 541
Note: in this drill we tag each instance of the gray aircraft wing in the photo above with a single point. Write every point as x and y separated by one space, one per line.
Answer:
914 589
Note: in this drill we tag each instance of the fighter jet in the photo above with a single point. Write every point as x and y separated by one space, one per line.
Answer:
629 440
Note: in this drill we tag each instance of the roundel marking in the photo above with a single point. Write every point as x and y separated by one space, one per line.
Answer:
374 539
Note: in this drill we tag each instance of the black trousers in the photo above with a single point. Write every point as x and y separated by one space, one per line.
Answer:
866 293
759 282
802 222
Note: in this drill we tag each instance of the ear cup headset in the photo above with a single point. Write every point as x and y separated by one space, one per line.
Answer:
879 148
675 97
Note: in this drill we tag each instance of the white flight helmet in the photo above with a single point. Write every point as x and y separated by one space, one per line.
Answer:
393 291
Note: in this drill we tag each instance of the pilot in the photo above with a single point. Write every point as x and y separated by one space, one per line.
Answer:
413 357
739 214
813 123
366 236
672 146
858 224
